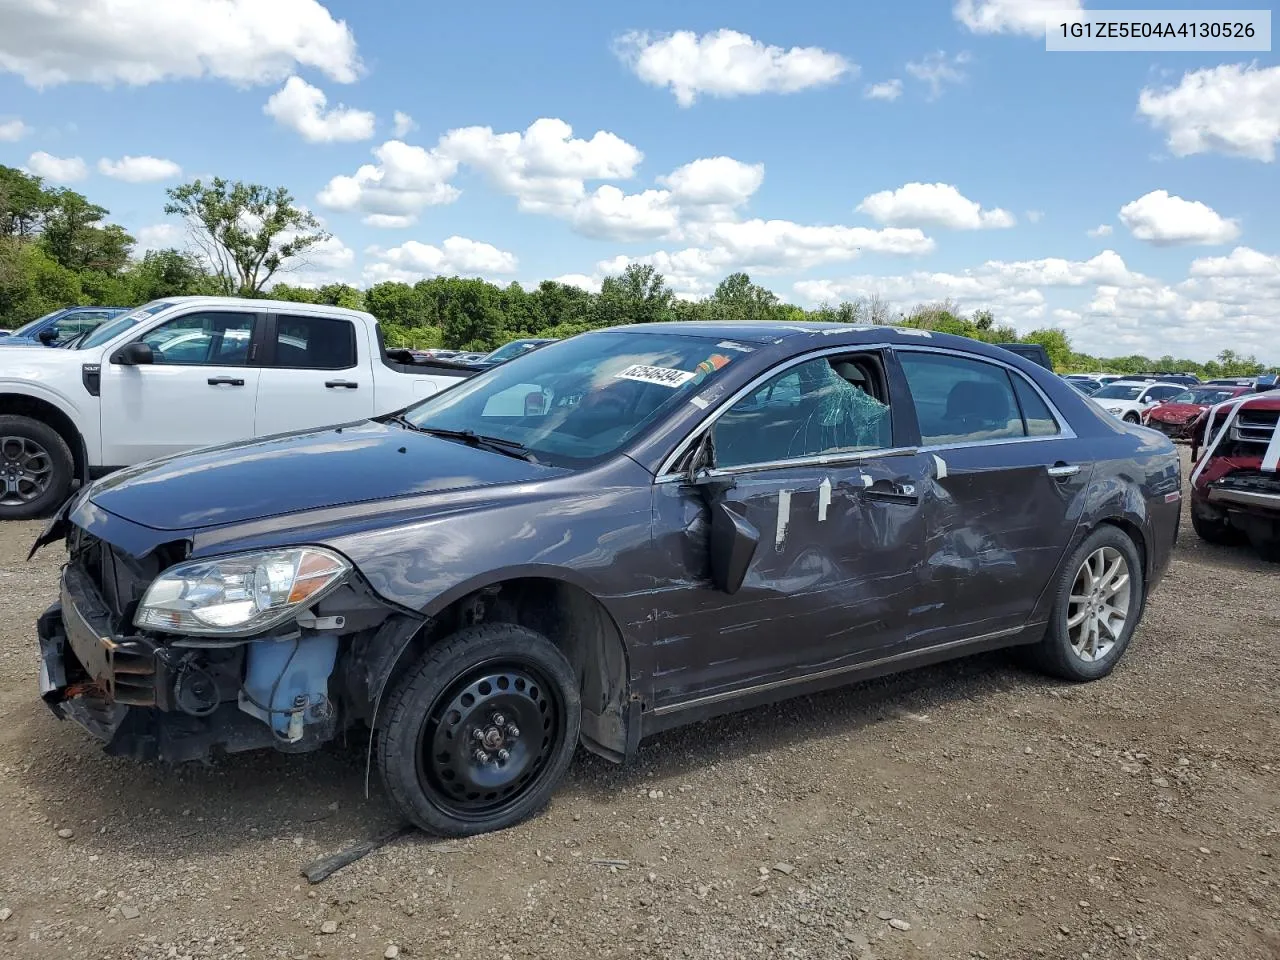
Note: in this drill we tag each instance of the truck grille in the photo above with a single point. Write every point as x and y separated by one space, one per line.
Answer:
1254 426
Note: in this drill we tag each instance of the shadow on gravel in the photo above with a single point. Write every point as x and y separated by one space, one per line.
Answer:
166 814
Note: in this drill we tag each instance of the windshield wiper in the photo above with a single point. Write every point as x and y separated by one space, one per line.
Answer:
510 448
401 420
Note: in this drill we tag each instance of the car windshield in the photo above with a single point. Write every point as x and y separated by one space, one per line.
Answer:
513 349
109 331
1202 397
27 328
1120 391
578 401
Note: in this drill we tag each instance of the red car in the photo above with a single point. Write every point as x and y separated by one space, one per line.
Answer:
1176 416
1235 485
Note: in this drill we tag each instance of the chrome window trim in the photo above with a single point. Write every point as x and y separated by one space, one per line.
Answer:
1065 431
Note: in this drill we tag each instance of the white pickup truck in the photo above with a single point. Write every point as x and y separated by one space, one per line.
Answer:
190 372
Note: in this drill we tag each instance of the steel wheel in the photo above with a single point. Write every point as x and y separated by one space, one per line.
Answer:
1098 607
487 739
26 469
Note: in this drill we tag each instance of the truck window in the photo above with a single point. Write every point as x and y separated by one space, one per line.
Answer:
314 343
206 338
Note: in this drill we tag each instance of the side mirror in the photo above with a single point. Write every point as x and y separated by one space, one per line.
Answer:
134 354
47 336
733 543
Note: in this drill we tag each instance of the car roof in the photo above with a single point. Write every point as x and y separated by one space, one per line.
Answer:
1147 383
296 307
836 334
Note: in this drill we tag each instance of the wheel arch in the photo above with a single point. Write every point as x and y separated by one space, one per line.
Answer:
558 605
46 411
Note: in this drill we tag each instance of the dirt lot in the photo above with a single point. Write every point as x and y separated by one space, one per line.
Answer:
969 810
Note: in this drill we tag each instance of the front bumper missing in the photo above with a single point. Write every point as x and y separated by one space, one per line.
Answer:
111 685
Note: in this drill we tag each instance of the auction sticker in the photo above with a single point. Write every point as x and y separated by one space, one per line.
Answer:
663 376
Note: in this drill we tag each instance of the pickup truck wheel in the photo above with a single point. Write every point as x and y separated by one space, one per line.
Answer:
1099 601
36 468
479 732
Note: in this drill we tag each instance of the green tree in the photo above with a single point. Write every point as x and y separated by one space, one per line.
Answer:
639 295
471 315
73 234
166 273
736 299
23 203
1055 343
245 231
398 304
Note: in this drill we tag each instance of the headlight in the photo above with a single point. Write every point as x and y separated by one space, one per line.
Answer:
245 593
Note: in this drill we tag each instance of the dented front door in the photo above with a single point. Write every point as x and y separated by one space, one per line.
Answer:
831 582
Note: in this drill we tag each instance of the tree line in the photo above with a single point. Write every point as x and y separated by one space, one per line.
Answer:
58 249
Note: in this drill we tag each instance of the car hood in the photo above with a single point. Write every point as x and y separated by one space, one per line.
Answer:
1177 412
271 477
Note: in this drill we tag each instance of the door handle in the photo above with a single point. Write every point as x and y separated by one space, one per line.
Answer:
891 492
348 384
1060 471
225 382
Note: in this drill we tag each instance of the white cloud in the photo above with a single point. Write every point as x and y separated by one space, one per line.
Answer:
886 90
137 42
1013 16
937 70
456 256
609 213
158 236
1241 262
11 131
932 204
403 181
301 107
1105 307
57 169
1232 108
1166 220
714 181
1034 216
579 280
403 125
544 168
1101 230
389 221
726 63
139 169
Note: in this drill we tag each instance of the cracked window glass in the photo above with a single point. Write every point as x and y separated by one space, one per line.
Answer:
821 407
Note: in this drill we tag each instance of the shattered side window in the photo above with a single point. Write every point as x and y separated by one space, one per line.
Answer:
820 407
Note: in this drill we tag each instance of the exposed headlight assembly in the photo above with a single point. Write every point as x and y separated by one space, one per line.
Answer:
240 594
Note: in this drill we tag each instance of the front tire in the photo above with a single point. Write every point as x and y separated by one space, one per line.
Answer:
1132 418
36 468
480 731
1214 529
1099 601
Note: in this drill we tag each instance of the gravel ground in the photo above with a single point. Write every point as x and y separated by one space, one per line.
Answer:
968 810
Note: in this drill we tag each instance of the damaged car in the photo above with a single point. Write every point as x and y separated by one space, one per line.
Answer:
1176 417
616 534
1235 484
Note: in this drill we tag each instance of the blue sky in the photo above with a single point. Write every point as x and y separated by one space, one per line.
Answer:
911 150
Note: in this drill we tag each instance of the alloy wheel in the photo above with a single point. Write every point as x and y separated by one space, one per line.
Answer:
487 739
1098 607
26 470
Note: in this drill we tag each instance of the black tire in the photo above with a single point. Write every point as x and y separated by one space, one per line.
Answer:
1055 654
28 445
1214 529
1132 418
428 739
1268 548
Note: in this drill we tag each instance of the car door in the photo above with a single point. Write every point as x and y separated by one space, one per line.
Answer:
200 388
315 372
1007 490
811 461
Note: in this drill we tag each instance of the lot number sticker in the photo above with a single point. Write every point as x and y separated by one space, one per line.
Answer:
663 376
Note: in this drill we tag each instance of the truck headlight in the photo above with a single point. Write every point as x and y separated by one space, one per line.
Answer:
243 593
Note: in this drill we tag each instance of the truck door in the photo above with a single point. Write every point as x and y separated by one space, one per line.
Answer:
316 372
198 390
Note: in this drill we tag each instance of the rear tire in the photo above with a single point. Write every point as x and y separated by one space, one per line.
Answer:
36 468
480 731
1098 602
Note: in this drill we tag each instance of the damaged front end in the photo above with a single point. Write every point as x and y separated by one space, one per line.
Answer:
164 657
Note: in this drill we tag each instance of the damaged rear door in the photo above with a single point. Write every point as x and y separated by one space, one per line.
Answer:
1006 492
809 457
